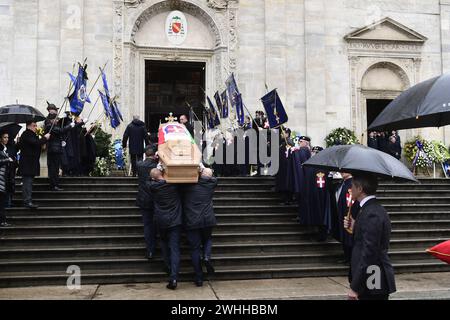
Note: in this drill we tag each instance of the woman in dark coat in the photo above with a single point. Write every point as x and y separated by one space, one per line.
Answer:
6 184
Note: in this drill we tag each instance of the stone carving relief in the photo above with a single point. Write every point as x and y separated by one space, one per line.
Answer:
218 4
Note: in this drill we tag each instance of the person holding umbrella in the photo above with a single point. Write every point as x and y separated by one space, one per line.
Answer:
372 232
29 167
6 183
371 273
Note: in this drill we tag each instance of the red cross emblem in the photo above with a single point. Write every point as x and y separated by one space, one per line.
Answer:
320 180
348 197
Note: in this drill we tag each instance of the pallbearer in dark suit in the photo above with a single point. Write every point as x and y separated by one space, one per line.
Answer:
168 218
199 219
372 274
144 199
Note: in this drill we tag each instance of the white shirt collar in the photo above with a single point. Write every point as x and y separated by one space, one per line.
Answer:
364 201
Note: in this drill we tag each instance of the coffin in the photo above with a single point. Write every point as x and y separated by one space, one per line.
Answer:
178 153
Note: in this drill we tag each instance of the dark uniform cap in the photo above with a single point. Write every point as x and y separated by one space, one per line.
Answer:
51 106
317 149
305 138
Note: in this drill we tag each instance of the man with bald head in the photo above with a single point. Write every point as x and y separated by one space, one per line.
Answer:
199 219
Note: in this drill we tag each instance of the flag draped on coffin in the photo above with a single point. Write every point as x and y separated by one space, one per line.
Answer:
274 109
235 99
224 104
79 95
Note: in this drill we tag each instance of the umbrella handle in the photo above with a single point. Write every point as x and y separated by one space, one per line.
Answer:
349 216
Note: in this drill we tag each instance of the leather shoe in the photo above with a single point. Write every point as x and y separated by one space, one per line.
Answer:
199 283
149 256
31 206
172 285
57 189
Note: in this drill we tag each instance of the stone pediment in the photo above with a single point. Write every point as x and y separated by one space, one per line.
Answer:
386 30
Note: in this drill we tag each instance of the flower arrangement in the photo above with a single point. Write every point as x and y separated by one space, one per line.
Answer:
105 160
422 153
341 136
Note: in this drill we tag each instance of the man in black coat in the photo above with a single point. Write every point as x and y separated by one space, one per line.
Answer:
185 120
372 274
199 219
55 149
29 167
144 199
137 134
372 142
394 148
168 218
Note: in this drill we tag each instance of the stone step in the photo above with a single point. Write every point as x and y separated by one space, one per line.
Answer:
66 195
126 202
156 264
21 220
237 248
96 210
252 271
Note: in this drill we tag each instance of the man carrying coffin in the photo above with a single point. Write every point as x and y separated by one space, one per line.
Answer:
168 218
199 219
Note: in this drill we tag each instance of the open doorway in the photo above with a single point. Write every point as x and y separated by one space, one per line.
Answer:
374 108
171 86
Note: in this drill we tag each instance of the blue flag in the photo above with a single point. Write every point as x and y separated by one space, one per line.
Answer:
79 95
274 109
224 104
105 83
115 121
240 110
213 114
117 110
105 102
218 103
232 90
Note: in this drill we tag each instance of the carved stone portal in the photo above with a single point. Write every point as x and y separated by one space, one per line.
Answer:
220 17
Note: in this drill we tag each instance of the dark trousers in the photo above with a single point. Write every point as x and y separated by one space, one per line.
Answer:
3 199
134 158
206 234
170 247
347 252
53 164
149 230
27 189
374 297
194 238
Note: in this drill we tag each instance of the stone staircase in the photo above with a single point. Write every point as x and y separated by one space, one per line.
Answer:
94 224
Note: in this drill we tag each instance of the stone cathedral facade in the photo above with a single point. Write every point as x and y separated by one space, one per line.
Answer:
335 63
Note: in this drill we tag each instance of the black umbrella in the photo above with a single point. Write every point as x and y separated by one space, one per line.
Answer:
427 104
11 128
20 113
360 159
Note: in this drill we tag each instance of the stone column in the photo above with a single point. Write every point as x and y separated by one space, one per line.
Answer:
445 38
315 69
6 52
24 59
71 40
48 56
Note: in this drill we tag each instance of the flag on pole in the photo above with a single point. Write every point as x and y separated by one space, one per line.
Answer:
213 114
276 114
224 104
240 110
79 95
232 90
218 103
